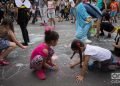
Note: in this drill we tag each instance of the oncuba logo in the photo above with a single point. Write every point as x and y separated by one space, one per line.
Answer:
115 75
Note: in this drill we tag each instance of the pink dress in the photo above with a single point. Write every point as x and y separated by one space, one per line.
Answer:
38 55
39 51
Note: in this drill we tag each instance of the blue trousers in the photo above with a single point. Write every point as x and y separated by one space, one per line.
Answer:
82 32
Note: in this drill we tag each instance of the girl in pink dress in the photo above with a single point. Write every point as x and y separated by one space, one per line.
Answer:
41 55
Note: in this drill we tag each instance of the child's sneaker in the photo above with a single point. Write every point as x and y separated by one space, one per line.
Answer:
41 74
3 62
87 41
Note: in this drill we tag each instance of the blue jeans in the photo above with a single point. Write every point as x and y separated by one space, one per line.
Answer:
82 33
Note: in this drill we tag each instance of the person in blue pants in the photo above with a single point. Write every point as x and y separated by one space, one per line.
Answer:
83 22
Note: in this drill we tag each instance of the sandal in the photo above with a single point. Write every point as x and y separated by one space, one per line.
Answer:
41 74
3 62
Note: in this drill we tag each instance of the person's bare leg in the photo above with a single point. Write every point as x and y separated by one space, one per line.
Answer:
98 27
8 50
53 22
50 21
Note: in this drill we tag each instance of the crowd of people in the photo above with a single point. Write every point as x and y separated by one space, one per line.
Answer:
83 13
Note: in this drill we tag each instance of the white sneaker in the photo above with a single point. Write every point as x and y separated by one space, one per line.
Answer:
87 41
30 43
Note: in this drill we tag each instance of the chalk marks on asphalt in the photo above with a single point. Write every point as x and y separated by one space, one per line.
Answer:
12 71
35 38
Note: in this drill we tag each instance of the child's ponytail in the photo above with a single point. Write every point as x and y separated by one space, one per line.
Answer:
80 54
73 55
75 46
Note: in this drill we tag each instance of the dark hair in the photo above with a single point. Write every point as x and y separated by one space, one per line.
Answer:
7 21
106 16
75 46
51 35
117 36
77 2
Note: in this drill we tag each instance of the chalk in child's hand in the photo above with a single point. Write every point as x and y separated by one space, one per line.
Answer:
54 57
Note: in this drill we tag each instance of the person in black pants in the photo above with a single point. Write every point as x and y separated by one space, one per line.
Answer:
106 25
37 12
22 20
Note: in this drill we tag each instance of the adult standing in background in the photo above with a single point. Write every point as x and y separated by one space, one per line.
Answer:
23 7
83 22
51 11
108 3
101 4
118 14
72 10
43 11
62 6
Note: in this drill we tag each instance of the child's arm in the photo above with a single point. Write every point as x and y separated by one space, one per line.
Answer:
104 1
84 69
46 65
75 64
117 46
13 38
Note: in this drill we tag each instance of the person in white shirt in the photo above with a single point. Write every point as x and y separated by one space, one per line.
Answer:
102 57
62 6
72 10
23 16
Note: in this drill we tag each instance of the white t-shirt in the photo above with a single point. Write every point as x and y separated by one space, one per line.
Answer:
97 53
26 3
51 5
72 3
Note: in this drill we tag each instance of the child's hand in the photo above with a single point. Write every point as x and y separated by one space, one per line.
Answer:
72 66
55 68
114 44
88 19
24 47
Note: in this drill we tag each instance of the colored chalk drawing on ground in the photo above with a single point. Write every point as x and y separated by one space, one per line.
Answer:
19 67
35 38
54 57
